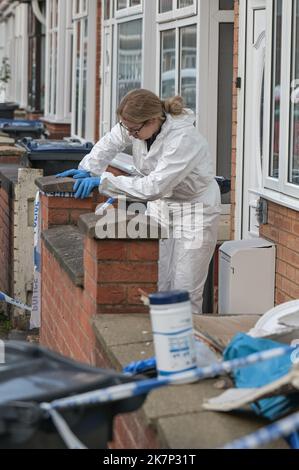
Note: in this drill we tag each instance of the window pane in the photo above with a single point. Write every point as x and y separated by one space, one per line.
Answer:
294 129
184 3
188 65
165 5
121 4
276 71
167 87
226 4
133 3
129 57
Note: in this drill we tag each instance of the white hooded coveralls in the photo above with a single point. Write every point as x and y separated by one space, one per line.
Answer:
176 170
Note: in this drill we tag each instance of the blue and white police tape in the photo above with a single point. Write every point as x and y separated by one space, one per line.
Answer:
282 428
58 194
16 303
141 387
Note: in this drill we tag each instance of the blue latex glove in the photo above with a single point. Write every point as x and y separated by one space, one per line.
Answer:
83 187
74 173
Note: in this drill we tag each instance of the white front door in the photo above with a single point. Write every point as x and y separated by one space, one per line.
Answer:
254 106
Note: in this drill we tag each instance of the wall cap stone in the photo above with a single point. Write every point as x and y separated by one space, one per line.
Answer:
118 221
51 184
65 243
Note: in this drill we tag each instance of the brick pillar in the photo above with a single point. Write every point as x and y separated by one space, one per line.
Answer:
56 130
9 154
63 210
116 268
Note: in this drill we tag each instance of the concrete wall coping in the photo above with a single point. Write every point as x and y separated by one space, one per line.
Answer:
174 412
51 184
117 222
65 243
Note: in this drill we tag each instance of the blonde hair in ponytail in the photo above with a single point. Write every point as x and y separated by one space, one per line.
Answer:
141 105
174 106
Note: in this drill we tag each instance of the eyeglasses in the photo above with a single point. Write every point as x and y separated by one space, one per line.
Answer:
132 131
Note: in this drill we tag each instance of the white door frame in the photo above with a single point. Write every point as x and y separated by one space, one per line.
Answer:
241 164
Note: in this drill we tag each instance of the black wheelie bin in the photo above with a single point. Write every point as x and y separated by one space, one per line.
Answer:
53 156
7 109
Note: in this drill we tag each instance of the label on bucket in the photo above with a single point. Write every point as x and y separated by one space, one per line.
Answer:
175 352
173 338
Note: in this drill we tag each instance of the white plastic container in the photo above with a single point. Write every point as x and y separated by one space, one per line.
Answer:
174 341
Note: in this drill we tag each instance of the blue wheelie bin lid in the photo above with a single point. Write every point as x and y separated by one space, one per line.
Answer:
32 374
18 128
40 149
21 124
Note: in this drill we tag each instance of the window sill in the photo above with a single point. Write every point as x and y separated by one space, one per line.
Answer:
278 198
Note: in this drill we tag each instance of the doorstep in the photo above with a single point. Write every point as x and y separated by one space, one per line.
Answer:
175 413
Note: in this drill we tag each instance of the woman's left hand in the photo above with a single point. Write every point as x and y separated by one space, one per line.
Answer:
84 187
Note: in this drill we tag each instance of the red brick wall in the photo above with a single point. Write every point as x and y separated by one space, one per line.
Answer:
6 235
57 131
283 229
66 313
113 272
235 107
65 211
116 269
10 155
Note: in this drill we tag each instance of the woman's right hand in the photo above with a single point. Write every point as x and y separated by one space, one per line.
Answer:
74 174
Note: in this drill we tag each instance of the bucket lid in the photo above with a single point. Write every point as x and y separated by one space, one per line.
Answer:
171 297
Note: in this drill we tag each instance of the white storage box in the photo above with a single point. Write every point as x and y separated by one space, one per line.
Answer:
246 276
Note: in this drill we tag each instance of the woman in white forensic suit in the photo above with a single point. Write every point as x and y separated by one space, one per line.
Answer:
176 171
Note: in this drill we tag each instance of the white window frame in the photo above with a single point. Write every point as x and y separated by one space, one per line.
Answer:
83 9
125 12
175 12
148 79
90 13
178 24
51 84
58 111
21 64
279 189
